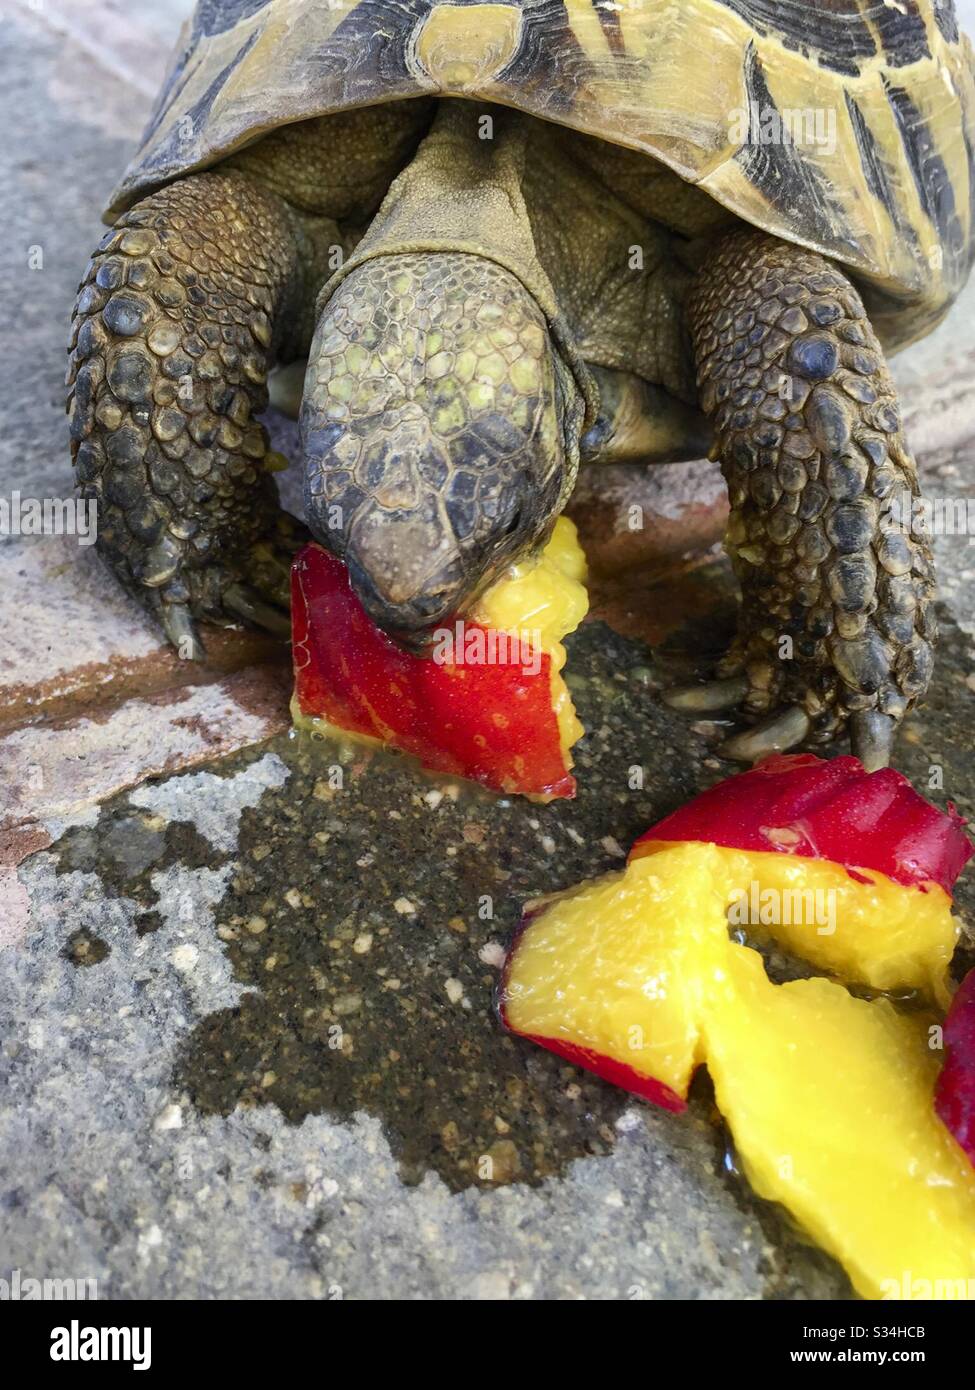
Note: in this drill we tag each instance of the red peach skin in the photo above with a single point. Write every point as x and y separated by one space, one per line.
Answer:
493 724
954 1097
801 804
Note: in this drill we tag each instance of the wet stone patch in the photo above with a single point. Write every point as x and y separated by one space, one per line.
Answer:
127 849
366 915
84 948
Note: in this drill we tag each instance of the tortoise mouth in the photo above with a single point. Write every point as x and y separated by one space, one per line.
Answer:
412 573
409 618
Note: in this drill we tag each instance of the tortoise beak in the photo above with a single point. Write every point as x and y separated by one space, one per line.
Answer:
406 570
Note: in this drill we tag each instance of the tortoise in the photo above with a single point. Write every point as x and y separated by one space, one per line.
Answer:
511 237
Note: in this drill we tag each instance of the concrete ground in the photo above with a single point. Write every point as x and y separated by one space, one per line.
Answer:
247 1046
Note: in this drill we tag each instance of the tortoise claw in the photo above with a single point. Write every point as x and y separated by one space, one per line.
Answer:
778 734
180 628
709 697
244 603
872 738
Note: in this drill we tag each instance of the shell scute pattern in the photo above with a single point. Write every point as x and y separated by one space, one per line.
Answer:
890 193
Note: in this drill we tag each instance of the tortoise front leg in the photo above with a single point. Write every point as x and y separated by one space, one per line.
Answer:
837 621
180 313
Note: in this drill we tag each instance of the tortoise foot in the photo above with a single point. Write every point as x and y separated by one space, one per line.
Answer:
837 623
174 331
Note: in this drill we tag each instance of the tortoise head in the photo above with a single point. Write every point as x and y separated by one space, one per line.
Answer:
440 432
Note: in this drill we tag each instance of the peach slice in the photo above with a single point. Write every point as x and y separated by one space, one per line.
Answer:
855 866
829 1101
612 975
489 703
829 1097
866 930
796 803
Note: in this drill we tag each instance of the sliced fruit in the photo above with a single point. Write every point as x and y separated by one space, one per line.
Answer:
545 595
850 870
613 974
867 930
618 967
828 1098
804 805
489 703
954 1095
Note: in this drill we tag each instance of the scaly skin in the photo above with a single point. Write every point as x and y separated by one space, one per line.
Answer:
443 410
175 327
808 433
432 426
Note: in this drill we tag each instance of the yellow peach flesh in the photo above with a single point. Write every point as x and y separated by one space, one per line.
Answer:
875 932
546 597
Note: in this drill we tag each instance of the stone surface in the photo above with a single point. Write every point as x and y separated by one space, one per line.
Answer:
72 637
284 1056
54 770
82 80
650 520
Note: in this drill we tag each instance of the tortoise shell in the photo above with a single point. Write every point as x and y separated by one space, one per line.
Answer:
847 126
